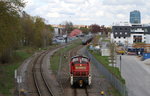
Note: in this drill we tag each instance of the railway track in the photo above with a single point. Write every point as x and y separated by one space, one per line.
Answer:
65 81
74 51
40 82
79 91
37 82
76 90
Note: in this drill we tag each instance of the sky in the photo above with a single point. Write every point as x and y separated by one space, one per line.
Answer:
87 12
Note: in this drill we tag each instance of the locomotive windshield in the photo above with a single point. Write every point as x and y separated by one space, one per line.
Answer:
80 60
84 59
75 59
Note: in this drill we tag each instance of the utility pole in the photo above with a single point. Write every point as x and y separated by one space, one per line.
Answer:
120 63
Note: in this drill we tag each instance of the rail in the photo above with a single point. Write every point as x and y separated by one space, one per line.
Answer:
36 76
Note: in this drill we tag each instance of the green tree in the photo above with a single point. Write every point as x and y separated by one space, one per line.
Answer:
85 30
27 23
39 28
42 34
50 30
109 29
10 27
35 32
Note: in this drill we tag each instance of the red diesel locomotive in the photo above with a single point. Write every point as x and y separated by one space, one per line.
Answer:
80 71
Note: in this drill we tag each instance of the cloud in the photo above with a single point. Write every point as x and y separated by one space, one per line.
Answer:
74 1
84 19
146 19
67 13
124 2
99 13
103 12
55 15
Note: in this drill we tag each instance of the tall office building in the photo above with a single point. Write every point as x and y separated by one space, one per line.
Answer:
135 17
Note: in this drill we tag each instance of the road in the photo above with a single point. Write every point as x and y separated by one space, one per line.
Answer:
136 74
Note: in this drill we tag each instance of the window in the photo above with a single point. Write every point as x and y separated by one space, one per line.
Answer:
145 30
121 33
125 33
116 33
84 59
125 28
75 59
120 28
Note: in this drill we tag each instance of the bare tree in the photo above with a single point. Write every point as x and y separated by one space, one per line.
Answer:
68 25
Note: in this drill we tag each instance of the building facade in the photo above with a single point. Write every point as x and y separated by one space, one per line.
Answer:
58 31
130 34
135 17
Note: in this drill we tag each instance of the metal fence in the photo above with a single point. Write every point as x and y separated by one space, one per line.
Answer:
109 76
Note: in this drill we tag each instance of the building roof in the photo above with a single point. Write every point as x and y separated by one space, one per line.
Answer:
75 32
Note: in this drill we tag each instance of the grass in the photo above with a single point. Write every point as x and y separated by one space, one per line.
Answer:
113 91
7 79
7 71
22 54
139 43
55 58
105 61
106 40
7 83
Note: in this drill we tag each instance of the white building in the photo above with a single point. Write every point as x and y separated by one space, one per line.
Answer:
58 31
130 34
